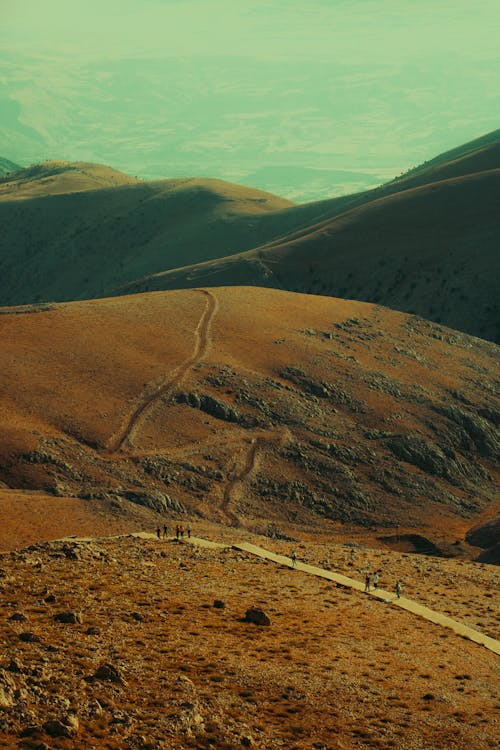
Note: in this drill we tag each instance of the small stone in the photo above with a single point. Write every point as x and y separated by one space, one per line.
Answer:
28 637
219 604
50 599
15 666
93 630
18 617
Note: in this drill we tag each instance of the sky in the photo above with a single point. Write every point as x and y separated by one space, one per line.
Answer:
229 87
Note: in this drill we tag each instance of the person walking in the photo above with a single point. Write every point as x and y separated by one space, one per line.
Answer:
164 531
294 559
398 589
367 582
188 529
158 532
375 580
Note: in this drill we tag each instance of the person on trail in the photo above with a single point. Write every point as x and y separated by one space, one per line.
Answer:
375 580
164 531
181 531
294 559
367 582
398 589
177 532
188 529
158 532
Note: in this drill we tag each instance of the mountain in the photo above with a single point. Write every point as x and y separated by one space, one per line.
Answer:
7 166
76 231
252 407
423 243
430 249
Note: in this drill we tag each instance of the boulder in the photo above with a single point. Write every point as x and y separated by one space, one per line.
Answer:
257 616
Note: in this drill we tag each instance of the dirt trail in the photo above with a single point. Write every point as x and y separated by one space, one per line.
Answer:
237 476
166 387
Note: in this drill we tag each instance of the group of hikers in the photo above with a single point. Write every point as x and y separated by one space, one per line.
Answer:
179 531
376 577
368 578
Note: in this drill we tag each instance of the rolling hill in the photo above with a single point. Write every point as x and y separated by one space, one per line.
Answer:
252 407
423 243
430 250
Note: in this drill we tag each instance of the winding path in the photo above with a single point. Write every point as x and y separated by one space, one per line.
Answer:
166 387
236 477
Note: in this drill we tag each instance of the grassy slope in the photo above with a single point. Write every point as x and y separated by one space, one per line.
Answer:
432 250
278 406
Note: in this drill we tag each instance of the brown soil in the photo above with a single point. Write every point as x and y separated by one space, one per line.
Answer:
253 407
335 668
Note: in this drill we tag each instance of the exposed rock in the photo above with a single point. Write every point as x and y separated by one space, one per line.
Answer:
210 405
257 616
483 435
66 727
219 604
485 535
153 499
429 457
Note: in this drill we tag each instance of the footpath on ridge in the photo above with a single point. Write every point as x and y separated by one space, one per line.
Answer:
389 598
385 596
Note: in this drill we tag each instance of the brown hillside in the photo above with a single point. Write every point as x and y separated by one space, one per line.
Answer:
75 231
56 177
431 250
252 407
83 244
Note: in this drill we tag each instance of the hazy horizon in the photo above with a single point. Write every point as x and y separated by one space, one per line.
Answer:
320 101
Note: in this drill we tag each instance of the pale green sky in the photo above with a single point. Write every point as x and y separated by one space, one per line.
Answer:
342 29
228 87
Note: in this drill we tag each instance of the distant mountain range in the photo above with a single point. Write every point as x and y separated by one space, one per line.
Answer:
426 242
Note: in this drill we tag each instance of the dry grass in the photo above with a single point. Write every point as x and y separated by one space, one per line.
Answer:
334 670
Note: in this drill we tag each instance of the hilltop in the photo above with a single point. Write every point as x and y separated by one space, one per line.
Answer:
60 178
7 166
253 407
431 250
425 243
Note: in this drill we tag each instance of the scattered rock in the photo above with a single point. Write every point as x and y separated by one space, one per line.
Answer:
66 727
257 616
110 673
68 617
219 604
18 617
28 637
